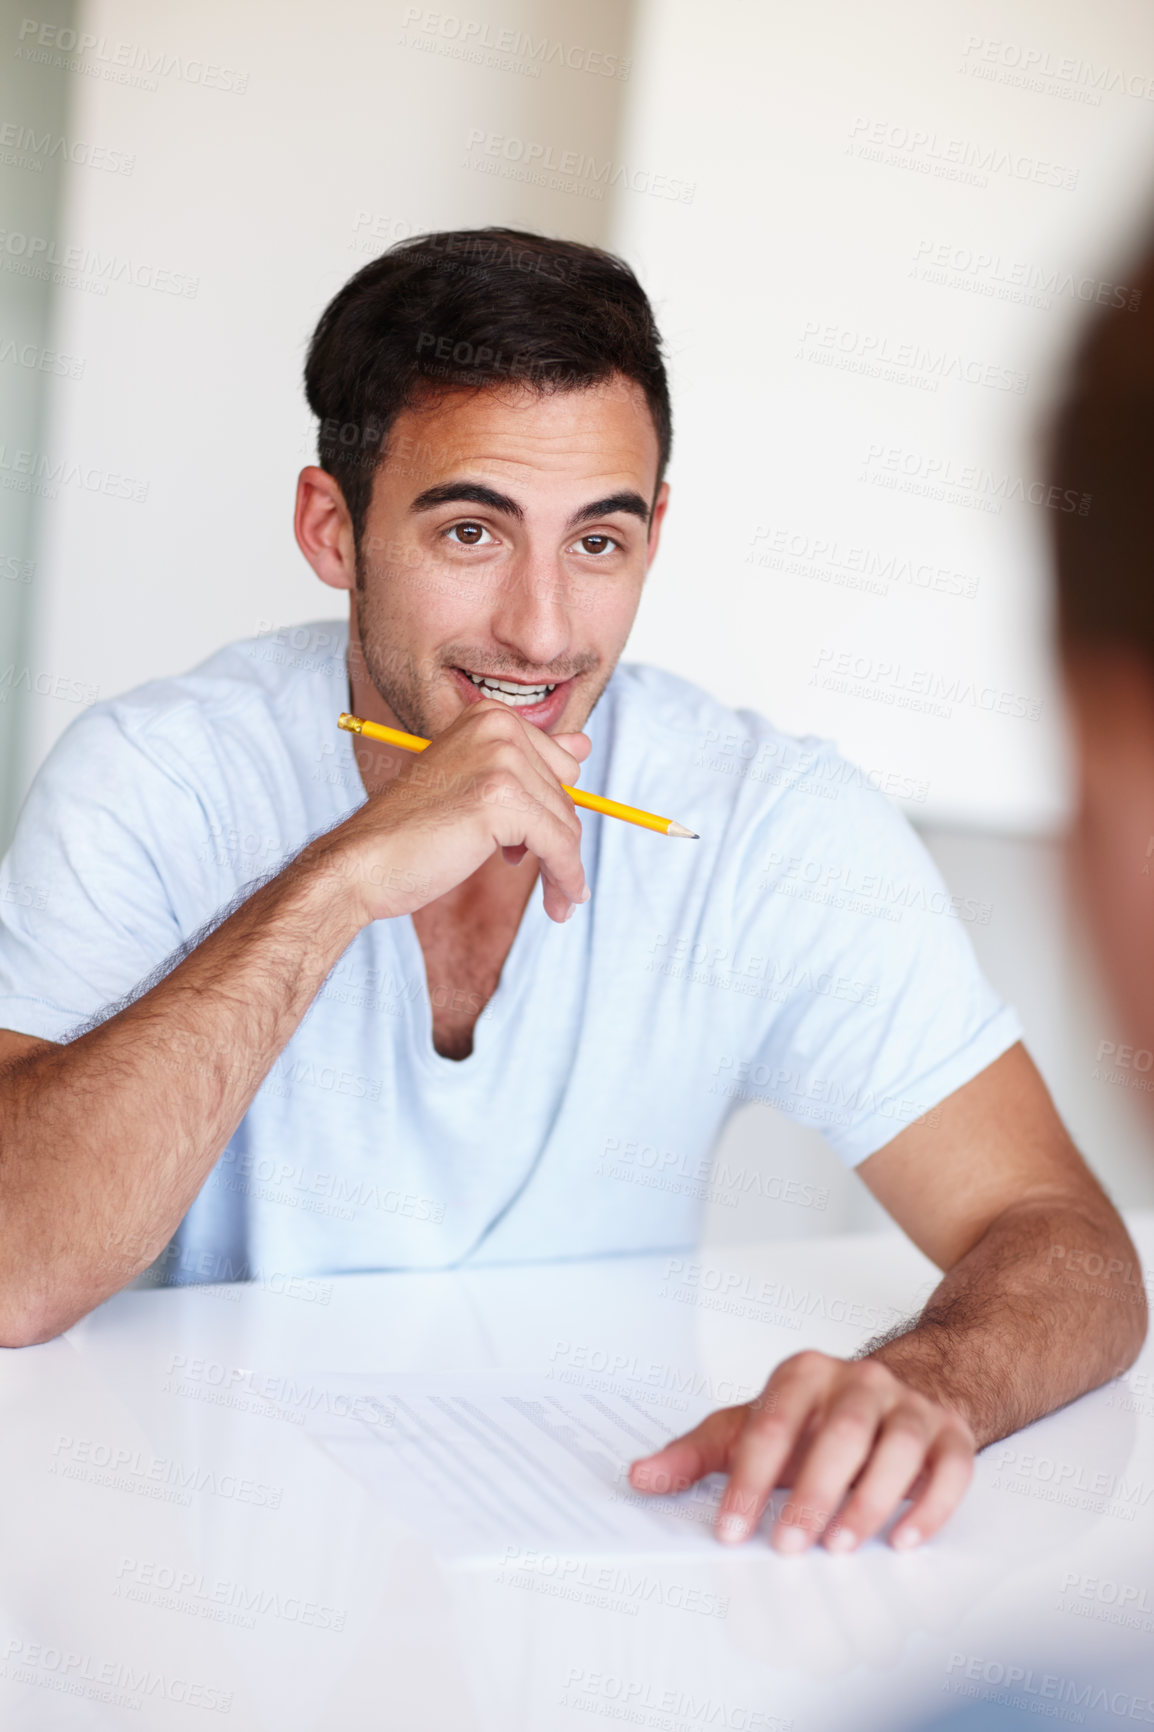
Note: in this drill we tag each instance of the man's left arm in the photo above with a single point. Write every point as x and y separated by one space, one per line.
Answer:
1042 1300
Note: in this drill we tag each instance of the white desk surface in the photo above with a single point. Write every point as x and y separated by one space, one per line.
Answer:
305 1605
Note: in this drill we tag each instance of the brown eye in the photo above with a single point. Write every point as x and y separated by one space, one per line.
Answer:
468 534
597 543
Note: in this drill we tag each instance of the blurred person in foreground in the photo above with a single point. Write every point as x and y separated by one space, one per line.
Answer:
1103 435
280 1006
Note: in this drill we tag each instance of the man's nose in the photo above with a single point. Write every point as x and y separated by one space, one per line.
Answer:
531 611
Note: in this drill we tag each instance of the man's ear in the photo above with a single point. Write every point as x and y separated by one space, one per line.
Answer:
656 520
324 529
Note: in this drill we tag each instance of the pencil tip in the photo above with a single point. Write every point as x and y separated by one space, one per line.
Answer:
676 829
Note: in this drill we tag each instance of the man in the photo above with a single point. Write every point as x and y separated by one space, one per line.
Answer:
331 1032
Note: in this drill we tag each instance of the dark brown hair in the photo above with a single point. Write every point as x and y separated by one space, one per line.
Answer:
1102 443
472 308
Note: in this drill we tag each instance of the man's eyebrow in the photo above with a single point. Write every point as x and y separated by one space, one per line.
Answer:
467 493
475 493
630 502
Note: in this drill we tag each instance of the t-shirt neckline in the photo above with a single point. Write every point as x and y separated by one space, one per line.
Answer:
516 973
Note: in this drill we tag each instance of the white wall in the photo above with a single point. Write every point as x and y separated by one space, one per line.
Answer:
752 218
826 383
30 192
814 360
324 134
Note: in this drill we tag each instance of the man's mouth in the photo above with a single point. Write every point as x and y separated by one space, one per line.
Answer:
516 693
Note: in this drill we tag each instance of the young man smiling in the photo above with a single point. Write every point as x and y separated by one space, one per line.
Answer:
181 1072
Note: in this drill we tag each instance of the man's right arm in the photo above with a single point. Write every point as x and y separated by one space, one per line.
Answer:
105 1142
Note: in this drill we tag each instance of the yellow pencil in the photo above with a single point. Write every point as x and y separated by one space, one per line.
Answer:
592 802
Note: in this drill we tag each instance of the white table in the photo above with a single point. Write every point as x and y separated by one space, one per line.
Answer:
136 1460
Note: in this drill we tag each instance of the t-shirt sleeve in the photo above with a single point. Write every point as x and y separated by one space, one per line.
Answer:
108 869
882 1008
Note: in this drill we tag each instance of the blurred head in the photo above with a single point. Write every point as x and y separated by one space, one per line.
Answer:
494 429
1103 442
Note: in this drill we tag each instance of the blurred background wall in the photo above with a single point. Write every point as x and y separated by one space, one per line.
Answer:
31 210
265 151
869 233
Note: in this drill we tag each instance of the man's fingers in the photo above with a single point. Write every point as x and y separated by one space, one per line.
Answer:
525 775
492 721
558 875
553 749
562 874
553 833
706 1449
951 1468
839 1435
767 1441
578 746
842 1445
530 810
899 1454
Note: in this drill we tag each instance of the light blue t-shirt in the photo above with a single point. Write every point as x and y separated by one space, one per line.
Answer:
804 952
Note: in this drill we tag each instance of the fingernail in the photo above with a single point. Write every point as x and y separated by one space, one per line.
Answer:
571 911
731 1528
790 1539
585 894
906 1538
841 1540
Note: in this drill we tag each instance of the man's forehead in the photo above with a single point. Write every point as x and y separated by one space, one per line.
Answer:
603 431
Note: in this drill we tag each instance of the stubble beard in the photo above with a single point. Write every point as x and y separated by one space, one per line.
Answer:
397 675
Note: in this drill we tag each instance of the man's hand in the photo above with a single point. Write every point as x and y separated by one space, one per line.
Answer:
992 1190
489 781
837 1432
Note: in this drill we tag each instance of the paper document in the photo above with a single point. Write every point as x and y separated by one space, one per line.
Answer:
483 1464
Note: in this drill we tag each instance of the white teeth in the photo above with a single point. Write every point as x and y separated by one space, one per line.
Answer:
518 704
519 696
